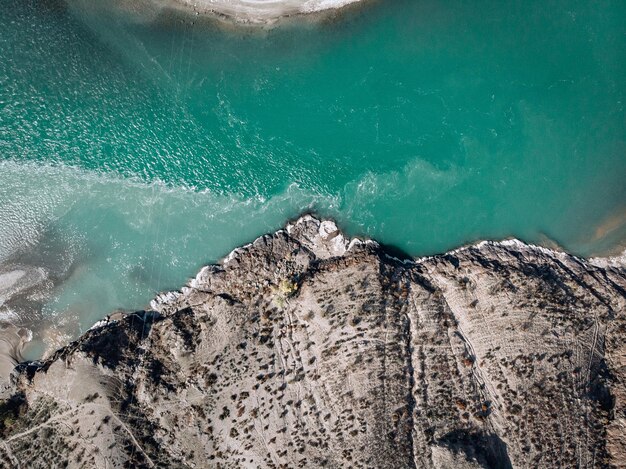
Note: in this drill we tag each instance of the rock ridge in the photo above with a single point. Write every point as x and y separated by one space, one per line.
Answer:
306 348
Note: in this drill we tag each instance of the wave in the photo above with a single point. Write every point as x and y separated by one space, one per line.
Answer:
105 242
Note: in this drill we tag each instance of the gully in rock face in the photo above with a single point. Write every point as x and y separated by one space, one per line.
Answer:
309 349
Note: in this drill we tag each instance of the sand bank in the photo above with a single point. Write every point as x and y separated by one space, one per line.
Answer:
262 11
12 341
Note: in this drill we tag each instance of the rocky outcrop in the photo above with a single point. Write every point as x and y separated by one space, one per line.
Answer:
307 349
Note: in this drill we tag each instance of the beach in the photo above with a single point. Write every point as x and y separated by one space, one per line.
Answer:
262 11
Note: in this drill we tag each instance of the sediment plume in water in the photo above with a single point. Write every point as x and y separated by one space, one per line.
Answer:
12 342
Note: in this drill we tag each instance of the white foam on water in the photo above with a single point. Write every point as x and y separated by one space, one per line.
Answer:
8 315
129 239
618 261
8 281
263 10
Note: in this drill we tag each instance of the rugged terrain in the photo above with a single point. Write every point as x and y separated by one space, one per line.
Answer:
307 349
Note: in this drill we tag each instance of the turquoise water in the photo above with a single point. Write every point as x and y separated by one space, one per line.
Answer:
136 147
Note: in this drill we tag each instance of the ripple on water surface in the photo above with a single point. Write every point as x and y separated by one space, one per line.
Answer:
136 148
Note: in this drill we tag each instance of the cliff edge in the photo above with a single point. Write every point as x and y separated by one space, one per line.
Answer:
308 349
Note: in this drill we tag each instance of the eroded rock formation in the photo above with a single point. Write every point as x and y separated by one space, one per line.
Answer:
306 349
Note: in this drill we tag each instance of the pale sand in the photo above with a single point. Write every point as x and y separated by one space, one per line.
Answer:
239 11
262 11
233 12
12 341
14 280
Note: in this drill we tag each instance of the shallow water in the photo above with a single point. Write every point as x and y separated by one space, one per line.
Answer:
136 147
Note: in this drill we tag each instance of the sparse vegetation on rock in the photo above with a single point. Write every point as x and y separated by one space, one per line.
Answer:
306 350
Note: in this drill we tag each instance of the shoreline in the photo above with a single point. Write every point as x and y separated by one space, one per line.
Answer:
236 14
342 243
13 339
321 302
11 354
262 12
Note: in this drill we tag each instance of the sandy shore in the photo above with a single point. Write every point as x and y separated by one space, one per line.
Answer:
262 11
12 341
230 12
15 281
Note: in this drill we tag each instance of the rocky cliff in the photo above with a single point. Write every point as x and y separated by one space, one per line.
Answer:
307 349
